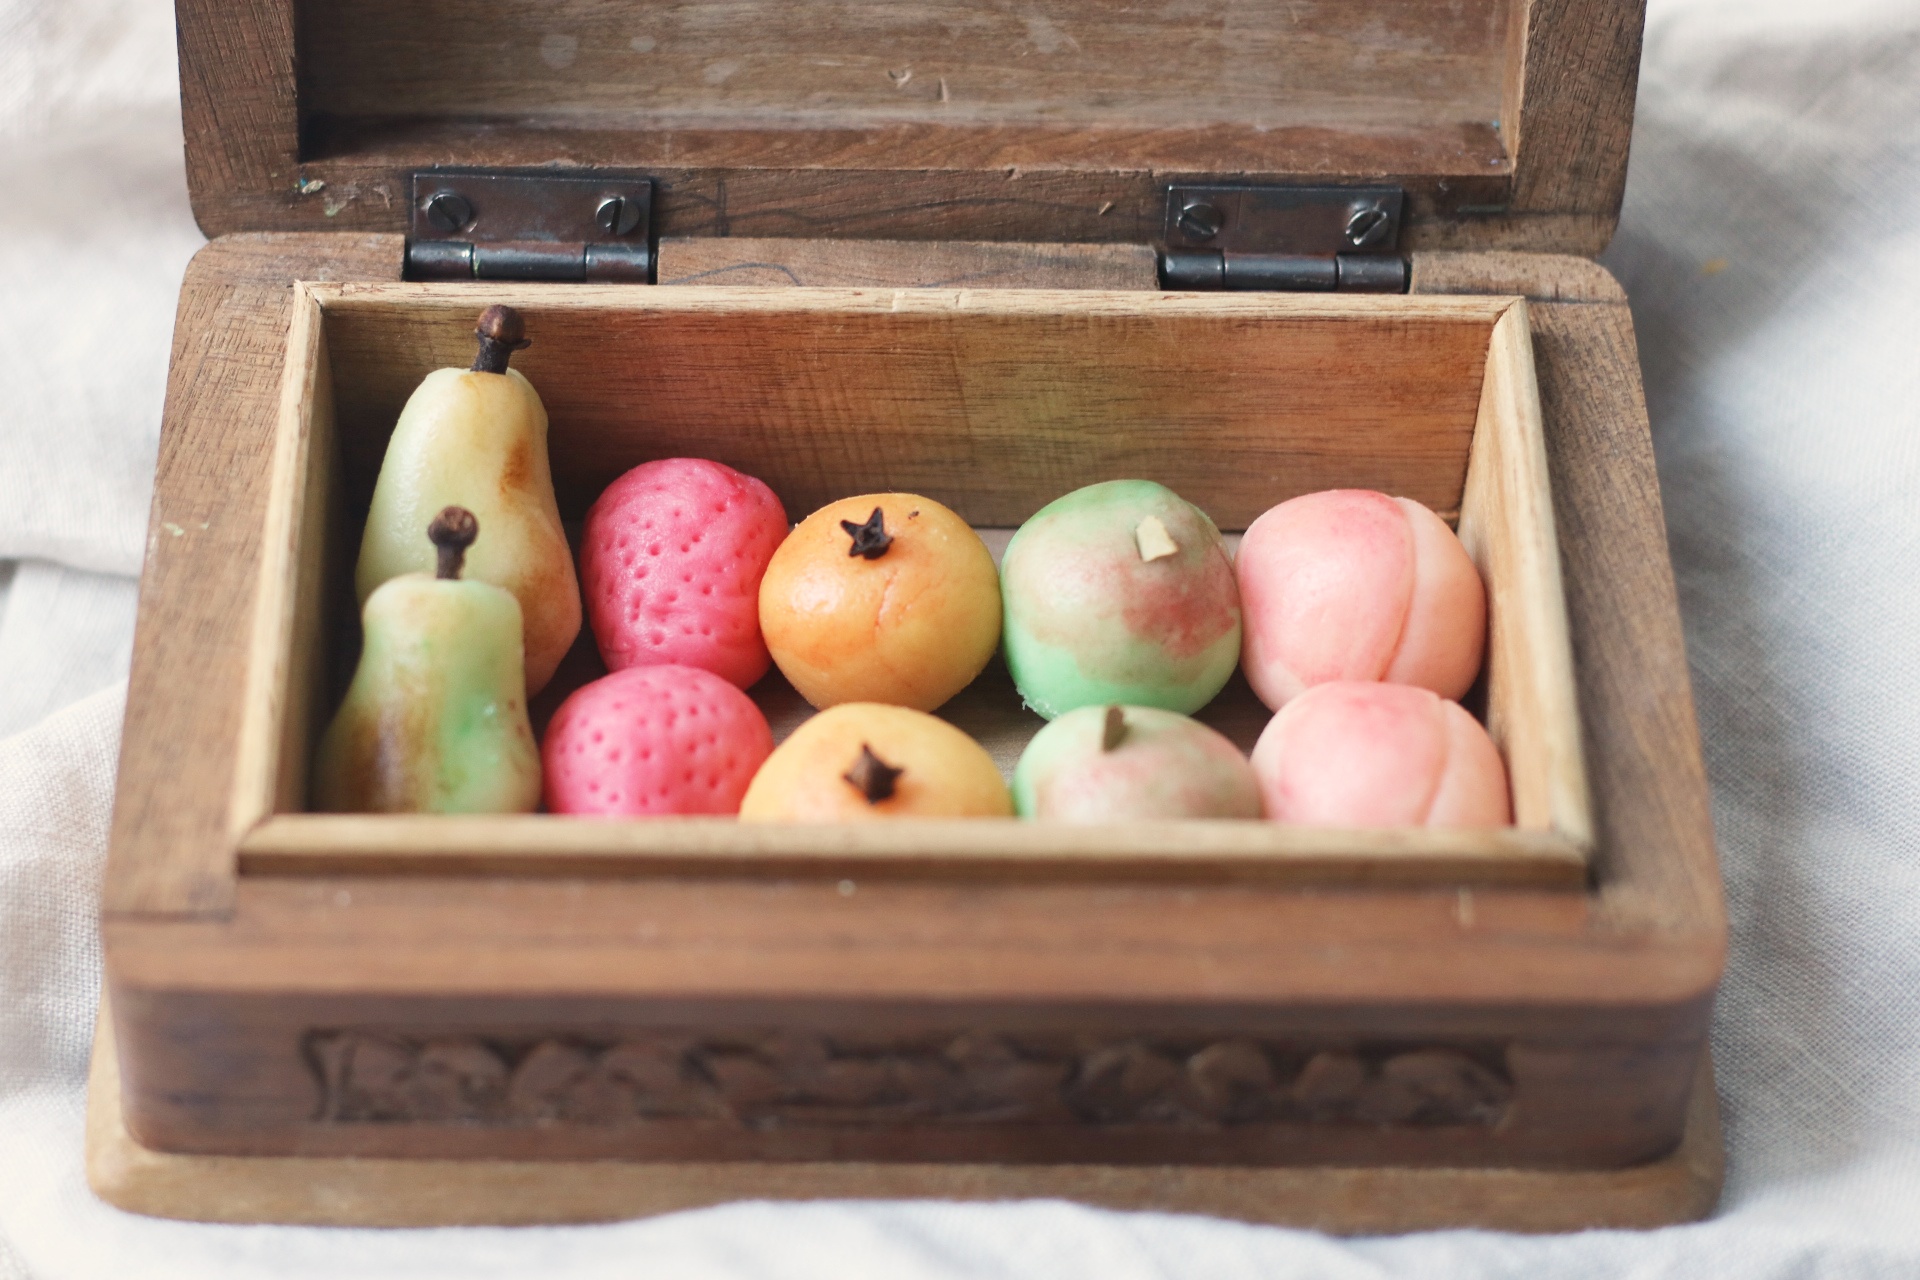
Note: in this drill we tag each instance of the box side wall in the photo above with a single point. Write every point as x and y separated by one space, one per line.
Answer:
170 851
355 1191
1390 65
585 1079
994 408
1506 524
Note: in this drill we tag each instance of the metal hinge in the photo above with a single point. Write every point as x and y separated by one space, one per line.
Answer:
1288 238
477 224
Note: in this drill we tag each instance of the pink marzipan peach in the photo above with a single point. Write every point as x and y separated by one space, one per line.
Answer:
1350 584
671 561
1366 754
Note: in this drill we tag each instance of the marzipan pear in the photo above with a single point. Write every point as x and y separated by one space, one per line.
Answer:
477 438
435 720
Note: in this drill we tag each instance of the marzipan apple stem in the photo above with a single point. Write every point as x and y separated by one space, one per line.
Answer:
452 532
1114 730
872 776
501 333
871 539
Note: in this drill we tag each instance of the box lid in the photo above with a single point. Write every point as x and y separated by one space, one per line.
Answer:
1505 121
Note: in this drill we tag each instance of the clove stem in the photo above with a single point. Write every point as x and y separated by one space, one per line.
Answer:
451 533
871 776
501 333
870 540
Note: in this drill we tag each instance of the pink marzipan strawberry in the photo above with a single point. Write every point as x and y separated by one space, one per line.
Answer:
671 563
651 741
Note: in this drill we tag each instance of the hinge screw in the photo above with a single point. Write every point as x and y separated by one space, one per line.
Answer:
1201 221
617 215
448 212
1368 227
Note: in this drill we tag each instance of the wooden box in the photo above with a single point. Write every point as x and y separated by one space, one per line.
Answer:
323 1018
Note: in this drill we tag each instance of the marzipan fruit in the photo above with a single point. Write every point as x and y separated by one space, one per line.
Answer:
477 438
436 718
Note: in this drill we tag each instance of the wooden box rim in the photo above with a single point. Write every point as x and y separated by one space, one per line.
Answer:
1542 169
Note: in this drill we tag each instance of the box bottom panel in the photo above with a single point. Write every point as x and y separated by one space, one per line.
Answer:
549 1080
337 1191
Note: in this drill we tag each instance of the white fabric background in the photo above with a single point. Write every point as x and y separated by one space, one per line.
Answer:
1772 250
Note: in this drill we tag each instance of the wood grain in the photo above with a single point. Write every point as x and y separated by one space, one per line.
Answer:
1605 996
1507 122
1225 1093
1540 277
1570 134
171 849
903 264
908 182
1506 523
862 64
238 102
1064 86
1655 860
278 715
396 1193
1423 955
222 1015
985 400
541 845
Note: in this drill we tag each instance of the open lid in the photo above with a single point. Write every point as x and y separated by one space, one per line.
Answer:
1506 122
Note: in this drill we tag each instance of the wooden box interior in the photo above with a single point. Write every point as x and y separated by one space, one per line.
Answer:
1505 121
1076 83
994 403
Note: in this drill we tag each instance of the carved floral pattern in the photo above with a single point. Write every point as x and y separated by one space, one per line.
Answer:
805 1080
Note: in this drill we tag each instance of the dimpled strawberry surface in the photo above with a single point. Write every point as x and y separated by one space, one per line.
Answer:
653 741
671 562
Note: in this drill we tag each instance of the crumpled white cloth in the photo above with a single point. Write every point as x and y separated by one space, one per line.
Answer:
1772 250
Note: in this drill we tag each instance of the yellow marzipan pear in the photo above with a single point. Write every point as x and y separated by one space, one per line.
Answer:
477 438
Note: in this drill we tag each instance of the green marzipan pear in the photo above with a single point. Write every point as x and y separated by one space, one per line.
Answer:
477 438
436 718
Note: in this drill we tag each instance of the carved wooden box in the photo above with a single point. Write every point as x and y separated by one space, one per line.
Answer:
567 1020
